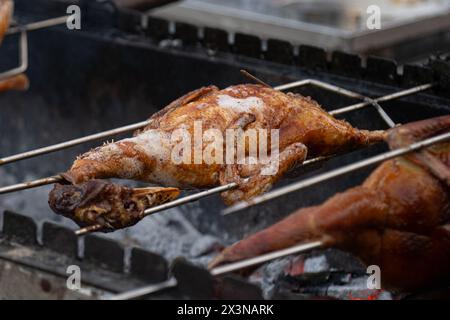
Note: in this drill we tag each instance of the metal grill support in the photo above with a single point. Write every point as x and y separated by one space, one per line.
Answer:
23 43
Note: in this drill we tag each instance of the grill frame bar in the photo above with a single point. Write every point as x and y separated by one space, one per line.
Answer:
23 42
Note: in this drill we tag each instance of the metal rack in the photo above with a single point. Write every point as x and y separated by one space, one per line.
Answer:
23 42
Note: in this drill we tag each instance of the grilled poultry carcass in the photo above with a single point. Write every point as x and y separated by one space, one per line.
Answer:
6 10
398 219
303 127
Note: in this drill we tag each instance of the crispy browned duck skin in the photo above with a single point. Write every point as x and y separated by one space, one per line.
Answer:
110 205
19 82
6 10
398 219
304 128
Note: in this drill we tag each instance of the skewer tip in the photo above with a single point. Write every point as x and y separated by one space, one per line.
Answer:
87 230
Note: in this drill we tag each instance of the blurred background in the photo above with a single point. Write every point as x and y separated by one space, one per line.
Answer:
410 29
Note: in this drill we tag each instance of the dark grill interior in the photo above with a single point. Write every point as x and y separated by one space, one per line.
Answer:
113 73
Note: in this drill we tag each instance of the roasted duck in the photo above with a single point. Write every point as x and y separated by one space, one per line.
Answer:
303 126
6 9
398 219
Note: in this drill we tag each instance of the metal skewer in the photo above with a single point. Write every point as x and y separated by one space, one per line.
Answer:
232 267
219 271
23 42
144 291
337 172
393 96
40 24
382 113
74 142
367 101
31 184
57 178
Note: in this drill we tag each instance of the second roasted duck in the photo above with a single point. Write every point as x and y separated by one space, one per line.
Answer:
398 219
303 128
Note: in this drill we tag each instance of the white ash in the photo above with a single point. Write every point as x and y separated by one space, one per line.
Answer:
316 264
356 288
170 234
267 276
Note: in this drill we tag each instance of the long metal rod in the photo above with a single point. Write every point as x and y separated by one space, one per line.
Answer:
219 271
232 267
393 96
40 24
23 58
335 173
74 142
343 92
322 85
166 206
383 114
31 184
144 291
57 178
